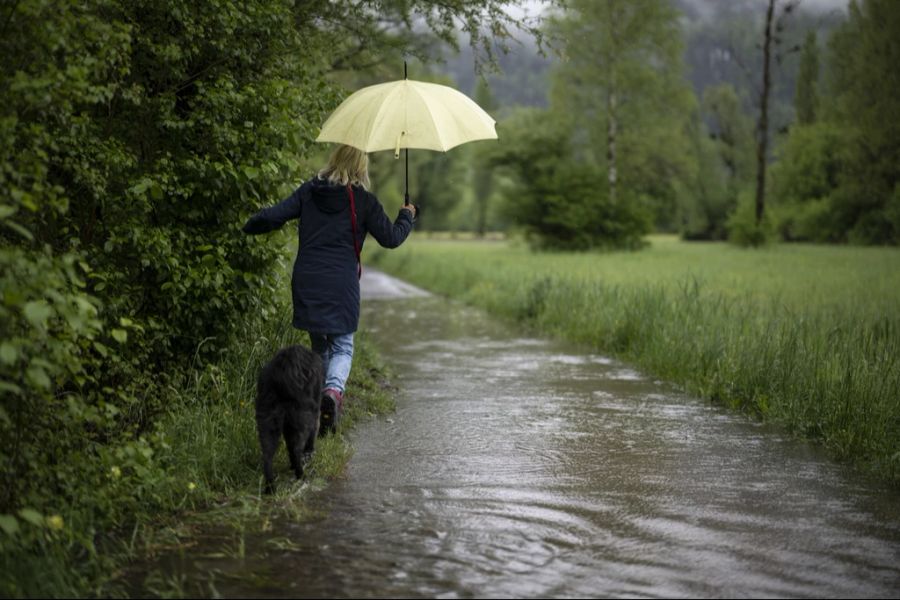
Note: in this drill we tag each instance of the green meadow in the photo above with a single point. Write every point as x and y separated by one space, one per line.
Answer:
806 336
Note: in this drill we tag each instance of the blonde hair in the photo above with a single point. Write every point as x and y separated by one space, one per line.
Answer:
347 165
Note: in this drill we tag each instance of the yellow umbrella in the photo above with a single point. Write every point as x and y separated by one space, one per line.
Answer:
407 114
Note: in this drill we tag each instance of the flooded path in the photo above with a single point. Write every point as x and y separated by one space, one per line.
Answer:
523 467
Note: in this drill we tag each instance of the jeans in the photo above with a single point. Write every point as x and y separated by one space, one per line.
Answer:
336 352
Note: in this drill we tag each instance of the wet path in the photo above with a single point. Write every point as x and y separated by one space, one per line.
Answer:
522 467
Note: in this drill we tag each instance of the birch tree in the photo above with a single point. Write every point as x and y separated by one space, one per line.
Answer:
621 85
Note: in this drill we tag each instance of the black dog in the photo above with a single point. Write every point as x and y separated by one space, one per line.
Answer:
288 400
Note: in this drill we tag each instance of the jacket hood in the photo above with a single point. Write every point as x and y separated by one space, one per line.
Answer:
329 198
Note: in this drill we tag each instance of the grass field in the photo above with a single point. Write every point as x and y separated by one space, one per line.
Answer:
806 336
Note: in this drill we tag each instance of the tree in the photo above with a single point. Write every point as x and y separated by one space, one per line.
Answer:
770 37
482 174
762 128
732 131
622 81
803 179
806 100
864 91
724 150
557 201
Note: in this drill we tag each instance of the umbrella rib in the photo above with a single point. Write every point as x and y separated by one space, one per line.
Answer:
381 115
437 133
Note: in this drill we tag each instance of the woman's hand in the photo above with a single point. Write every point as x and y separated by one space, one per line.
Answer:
412 208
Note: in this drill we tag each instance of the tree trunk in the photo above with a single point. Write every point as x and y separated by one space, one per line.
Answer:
762 132
483 183
611 127
611 121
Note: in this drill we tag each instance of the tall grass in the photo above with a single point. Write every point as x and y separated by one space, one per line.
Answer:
806 336
200 467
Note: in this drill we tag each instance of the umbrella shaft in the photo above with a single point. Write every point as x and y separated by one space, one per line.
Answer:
406 189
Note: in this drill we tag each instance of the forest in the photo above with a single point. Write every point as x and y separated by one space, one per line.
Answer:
681 128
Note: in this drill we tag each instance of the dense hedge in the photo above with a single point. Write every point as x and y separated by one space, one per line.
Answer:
135 137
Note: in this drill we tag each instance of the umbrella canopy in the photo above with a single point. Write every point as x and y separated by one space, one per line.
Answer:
407 114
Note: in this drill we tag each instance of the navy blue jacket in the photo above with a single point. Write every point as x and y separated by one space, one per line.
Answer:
325 283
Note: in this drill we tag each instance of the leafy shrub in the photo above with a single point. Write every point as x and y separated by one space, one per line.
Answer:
802 182
743 229
559 202
135 138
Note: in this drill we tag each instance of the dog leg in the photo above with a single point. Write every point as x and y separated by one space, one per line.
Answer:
269 437
292 436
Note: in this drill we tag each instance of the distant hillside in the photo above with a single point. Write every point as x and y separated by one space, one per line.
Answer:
721 40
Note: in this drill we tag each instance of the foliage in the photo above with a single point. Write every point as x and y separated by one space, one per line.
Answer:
613 153
482 174
865 87
732 131
806 99
725 165
743 227
837 169
705 205
131 152
558 201
633 107
802 183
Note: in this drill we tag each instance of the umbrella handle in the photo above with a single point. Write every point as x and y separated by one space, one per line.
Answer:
397 145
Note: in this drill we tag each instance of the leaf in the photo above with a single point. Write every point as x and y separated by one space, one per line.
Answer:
6 386
36 312
9 524
6 210
38 377
141 187
8 353
32 516
120 335
19 229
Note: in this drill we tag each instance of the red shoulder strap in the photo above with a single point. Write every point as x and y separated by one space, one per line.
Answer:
353 225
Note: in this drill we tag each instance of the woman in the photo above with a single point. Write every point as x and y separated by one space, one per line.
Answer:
336 211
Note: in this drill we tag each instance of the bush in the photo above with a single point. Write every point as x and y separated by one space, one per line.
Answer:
135 138
809 221
568 209
803 181
557 201
743 229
